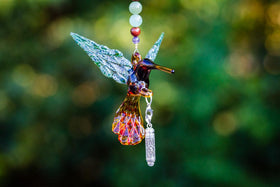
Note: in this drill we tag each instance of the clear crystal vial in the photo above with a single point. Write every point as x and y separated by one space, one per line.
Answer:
150 146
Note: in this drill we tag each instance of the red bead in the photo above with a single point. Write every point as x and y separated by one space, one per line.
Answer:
135 31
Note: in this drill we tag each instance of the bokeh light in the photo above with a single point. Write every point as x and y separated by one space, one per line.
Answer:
241 65
225 123
85 94
24 75
44 85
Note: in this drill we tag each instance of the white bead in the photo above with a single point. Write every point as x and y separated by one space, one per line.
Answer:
135 7
135 20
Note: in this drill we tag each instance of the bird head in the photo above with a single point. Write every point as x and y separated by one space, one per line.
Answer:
149 65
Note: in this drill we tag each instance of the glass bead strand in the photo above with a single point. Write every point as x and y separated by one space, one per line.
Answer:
135 20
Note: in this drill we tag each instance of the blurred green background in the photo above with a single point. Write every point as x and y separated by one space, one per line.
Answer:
216 119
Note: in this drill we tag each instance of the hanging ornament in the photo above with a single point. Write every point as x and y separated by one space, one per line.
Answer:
128 121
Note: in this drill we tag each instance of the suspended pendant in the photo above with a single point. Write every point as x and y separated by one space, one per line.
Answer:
150 134
150 146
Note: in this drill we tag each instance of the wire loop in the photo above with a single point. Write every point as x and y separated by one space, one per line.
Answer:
149 111
136 49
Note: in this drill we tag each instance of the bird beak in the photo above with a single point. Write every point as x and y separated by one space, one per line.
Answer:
151 65
164 69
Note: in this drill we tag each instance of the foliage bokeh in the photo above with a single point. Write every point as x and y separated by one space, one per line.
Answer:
216 118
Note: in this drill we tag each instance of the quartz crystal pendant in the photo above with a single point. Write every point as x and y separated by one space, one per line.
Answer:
150 146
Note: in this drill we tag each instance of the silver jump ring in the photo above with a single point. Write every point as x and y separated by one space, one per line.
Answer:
147 100
149 112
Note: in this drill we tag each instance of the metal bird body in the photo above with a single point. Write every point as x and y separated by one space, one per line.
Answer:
128 121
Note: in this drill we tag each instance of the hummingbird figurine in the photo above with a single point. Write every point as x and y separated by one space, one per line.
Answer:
128 121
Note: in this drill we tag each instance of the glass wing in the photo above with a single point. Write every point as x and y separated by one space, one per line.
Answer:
152 54
111 62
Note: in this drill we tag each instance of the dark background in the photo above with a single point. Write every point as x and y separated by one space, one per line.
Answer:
216 119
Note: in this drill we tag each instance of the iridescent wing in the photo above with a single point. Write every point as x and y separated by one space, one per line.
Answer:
111 62
152 54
